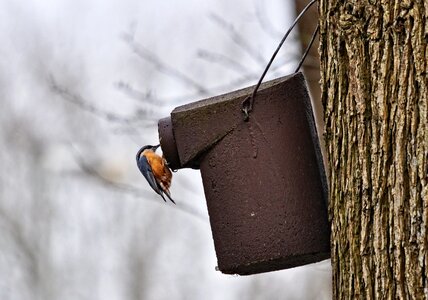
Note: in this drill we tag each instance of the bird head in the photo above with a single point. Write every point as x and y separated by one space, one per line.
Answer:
147 147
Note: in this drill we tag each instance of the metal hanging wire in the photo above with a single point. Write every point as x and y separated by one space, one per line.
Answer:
314 35
247 104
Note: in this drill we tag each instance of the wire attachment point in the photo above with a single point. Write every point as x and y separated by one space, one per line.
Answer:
247 106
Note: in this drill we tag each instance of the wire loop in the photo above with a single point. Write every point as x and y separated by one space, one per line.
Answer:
247 104
308 48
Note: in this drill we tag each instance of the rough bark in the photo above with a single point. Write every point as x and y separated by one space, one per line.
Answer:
375 94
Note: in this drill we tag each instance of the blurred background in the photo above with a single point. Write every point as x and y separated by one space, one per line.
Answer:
82 85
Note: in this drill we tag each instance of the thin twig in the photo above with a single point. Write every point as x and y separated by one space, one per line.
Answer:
141 115
142 97
161 66
238 38
264 20
92 172
222 60
25 248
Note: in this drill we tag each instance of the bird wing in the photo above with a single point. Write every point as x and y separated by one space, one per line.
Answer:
146 170
162 174
169 196
157 173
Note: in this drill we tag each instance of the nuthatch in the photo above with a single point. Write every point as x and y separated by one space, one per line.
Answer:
155 169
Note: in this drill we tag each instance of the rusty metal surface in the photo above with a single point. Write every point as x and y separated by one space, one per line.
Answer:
262 178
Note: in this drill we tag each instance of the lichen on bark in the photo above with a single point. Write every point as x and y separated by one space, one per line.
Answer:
375 93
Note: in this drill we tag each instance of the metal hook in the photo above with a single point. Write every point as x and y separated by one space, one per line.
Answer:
247 107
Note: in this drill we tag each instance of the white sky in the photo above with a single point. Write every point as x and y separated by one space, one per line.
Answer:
93 231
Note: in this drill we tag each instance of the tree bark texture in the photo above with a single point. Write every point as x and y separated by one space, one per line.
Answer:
375 94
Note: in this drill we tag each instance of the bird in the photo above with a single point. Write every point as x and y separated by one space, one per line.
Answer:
155 169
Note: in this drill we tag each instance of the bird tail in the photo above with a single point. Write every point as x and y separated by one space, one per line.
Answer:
162 196
169 197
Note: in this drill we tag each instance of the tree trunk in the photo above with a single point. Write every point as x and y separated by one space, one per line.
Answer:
375 94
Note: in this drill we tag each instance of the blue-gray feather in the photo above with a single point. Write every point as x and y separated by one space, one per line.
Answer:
147 172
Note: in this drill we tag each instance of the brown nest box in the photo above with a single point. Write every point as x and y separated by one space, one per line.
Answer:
263 179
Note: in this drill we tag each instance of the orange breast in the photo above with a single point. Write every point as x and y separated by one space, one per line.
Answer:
159 168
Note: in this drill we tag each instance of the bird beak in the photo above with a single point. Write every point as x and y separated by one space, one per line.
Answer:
154 148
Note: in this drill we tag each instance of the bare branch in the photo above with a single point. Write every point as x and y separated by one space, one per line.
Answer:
132 130
238 39
248 78
148 97
27 250
141 115
137 192
142 97
264 22
162 67
222 60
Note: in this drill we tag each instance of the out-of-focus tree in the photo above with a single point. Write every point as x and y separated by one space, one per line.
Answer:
311 66
80 96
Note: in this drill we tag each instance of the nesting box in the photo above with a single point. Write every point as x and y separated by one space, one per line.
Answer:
263 179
